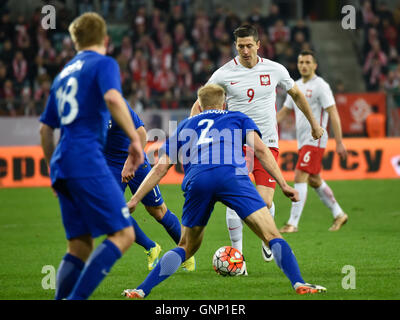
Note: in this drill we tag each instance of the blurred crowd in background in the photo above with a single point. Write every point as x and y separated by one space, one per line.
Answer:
166 53
380 52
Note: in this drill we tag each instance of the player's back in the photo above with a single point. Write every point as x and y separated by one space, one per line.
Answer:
211 139
76 105
117 142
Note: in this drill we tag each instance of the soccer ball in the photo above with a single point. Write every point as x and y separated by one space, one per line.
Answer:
228 261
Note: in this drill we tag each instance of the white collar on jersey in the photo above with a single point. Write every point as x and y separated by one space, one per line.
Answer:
313 78
237 62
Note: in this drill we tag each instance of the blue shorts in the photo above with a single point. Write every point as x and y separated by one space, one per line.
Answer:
218 184
94 206
153 198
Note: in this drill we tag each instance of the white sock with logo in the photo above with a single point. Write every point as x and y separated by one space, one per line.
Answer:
326 195
235 228
297 207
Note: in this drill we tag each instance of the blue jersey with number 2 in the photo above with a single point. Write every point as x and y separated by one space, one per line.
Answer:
210 139
76 106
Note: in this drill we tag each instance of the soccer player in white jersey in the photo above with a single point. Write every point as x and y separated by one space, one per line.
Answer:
250 84
322 102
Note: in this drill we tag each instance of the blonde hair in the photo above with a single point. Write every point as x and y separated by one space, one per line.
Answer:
87 30
211 95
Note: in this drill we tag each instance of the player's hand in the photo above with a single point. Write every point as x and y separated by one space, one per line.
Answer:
132 205
341 150
317 132
291 193
136 152
128 172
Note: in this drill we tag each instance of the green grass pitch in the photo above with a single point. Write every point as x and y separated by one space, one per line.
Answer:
32 236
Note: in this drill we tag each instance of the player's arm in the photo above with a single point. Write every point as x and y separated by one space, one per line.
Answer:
282 114
47 141
152 179
268 162
120 113
337 130
128 172
195 108
300 100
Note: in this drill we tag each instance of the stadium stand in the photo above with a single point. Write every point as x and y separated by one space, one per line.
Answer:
164 53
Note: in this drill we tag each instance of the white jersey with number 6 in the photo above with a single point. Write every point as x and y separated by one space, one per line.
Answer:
319 96
253 92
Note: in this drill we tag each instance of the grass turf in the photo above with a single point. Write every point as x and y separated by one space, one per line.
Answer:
32 236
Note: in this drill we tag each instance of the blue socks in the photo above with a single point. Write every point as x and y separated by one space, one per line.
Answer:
68 273
167 265
172 225
96 268
141 238
286 260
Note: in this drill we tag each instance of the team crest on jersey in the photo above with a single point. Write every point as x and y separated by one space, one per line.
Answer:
308 93
265 80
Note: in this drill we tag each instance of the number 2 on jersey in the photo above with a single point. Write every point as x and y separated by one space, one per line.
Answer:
203 139
250 94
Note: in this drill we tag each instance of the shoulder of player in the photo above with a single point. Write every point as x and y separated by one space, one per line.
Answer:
299 81
320 80
231 64
270 63
237 114
322 83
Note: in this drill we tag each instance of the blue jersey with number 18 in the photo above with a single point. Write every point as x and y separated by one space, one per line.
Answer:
76 106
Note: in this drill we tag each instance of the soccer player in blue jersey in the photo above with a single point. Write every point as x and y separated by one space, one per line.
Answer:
210 147
116 153
81 99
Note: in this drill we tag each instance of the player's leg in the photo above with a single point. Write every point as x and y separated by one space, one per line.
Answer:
251 208
171 224
166 218
235 229
300 184
104 210
265 185
199 203
72 264
170 262
267 194
79 243
328 199
263 225
141 238
154 204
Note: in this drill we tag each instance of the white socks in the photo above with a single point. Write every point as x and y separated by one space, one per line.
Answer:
235 228
297 207
326 195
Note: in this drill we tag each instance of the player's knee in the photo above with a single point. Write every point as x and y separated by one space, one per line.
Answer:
314 181
81 247
157 212
273 235
123 239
